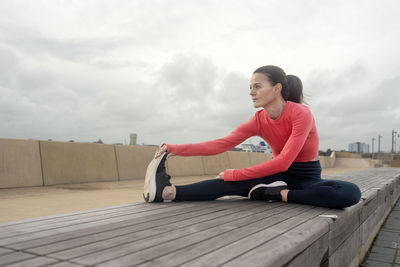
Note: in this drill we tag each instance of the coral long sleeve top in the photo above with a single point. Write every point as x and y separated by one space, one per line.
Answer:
292 137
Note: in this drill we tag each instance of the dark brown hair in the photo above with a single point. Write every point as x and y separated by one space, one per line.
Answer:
292 87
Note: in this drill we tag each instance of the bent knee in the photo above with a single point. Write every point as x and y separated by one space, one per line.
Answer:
351 195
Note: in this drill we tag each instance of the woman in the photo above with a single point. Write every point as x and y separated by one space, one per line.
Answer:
293 174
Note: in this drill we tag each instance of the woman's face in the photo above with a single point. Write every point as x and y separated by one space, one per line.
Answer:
262 91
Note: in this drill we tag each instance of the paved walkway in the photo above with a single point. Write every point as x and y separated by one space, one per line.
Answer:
385 249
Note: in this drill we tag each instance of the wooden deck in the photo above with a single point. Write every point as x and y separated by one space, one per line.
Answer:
231 232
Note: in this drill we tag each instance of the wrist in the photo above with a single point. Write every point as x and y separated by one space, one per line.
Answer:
166 146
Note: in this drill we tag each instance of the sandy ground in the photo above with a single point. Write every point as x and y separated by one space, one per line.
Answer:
24 203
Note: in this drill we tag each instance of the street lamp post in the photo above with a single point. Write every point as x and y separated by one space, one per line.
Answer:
379 143
373 140
398 136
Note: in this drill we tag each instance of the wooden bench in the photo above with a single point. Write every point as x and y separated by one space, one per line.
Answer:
229 231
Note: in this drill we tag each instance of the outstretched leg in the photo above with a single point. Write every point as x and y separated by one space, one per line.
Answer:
216 188
327 193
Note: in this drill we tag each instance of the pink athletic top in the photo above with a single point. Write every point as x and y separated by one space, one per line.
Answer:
292 137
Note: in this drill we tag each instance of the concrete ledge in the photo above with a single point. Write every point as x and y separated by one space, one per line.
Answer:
340 154
395 163
216 164
323 161
257 158
65 162
239 160
354 163
132 161
77 162
20 163
185 166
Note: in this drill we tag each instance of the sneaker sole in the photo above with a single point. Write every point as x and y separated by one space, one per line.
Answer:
274 184
149 190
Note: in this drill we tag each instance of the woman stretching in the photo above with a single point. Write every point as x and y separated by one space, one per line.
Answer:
293 174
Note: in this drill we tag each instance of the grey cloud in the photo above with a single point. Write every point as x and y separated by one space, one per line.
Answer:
198 101
349 108
188 78
170 73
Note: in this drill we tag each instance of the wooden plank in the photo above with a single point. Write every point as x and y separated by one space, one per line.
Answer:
71 218
196 250
345 253
49 224
4 251
65 215
37 261
260 236
145 229
368 226
233 229
142 240
33 240
180 238
15 257
315 255
285 247
65 264
64 230
370 204
347 222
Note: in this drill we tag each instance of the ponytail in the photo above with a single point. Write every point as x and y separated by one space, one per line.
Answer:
292 87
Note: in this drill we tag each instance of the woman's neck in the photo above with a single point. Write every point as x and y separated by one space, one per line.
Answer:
274 110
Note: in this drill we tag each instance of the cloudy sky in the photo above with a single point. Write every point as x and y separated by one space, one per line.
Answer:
178 71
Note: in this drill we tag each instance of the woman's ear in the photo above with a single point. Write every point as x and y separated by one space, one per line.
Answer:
278 87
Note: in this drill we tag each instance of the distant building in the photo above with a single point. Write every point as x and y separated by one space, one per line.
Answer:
133 137
261 147
359 147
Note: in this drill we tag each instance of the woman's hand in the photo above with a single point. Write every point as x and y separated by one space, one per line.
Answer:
162 149
220 176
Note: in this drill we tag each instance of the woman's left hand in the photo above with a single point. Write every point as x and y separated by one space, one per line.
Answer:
220 176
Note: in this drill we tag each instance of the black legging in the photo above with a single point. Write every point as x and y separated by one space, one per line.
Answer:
303 179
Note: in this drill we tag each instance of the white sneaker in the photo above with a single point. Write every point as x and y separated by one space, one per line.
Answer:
156 179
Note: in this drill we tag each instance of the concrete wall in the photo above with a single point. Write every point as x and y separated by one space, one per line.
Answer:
395 163
77 162
326 162
257 158
347 155
19 163
216 164
132 161
239 160
386 156
355 163
34 163
185 166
